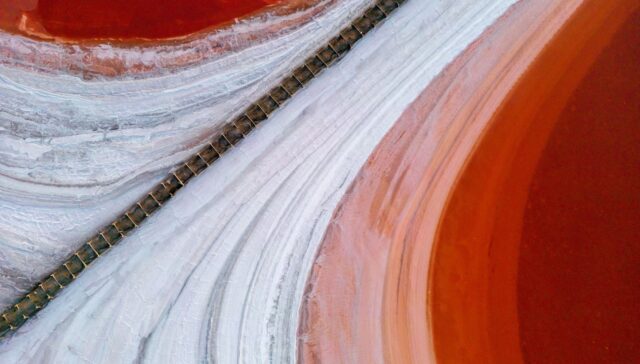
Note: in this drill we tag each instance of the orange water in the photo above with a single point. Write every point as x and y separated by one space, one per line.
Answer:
537 257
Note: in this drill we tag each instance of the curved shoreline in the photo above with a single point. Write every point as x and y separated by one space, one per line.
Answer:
218 273
369 285
110 58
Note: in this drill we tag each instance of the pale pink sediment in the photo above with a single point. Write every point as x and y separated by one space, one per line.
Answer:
366 298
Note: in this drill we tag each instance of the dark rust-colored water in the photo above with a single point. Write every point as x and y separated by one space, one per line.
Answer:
537 258
579 264
121 19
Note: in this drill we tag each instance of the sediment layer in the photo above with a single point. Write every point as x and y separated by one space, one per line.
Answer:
372 272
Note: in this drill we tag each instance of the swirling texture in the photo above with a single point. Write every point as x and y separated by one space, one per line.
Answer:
76 152
219 273
311 241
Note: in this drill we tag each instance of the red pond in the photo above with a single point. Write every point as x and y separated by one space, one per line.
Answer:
121 19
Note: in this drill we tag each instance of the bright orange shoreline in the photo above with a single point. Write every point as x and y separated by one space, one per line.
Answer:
367 295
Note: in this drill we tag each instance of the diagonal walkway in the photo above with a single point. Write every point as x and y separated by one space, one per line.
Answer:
231 135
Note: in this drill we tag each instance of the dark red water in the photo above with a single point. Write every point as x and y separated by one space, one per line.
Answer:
579 265
121 19
538 257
